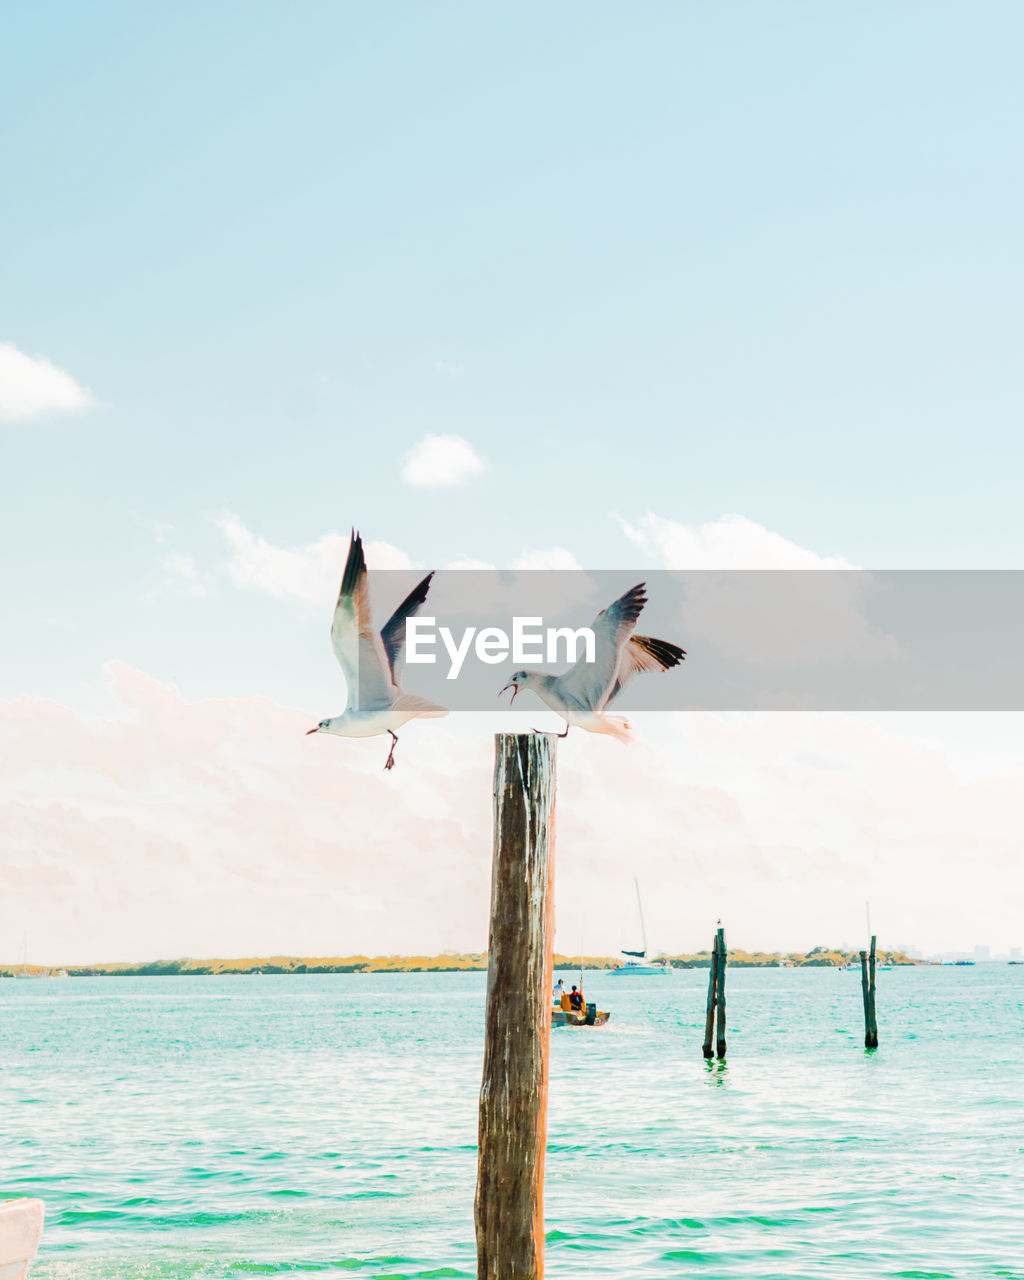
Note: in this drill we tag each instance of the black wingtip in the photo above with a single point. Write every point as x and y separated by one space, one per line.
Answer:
355 566
633 601
418 593
664 651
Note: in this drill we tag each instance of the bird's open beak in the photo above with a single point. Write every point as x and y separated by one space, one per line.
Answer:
515 690
309 731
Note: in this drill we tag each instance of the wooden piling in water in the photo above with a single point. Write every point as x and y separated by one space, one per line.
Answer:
871 1025
714 1042
514 1091
720 994
866 996
709 1022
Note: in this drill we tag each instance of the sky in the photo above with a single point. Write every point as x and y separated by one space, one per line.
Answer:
585 285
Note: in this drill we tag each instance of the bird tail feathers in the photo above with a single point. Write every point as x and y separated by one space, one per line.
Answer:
419 708
616 727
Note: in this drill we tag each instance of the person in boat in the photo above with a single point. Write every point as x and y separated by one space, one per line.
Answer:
575 999
559 991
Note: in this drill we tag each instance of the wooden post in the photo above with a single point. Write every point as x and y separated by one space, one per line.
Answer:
871 1028
720 994
866 998
514 1092
709 1023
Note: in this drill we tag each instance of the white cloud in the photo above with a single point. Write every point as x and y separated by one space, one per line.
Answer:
730 542
436 461
764 618
184 573
546 558
309 573
467 562
32 386
166 826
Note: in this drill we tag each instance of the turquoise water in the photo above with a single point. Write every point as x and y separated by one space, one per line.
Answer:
325 1125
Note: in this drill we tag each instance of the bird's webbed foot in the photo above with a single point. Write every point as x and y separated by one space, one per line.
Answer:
389 763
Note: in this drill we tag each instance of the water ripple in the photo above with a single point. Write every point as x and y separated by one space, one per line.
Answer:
218 1128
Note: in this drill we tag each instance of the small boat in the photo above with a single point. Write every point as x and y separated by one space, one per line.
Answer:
26 972
635 964
564 1015
591 1016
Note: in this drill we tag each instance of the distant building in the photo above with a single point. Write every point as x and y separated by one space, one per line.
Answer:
982 953
1016 954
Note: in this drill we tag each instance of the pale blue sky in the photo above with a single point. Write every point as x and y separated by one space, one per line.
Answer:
665 260
755 258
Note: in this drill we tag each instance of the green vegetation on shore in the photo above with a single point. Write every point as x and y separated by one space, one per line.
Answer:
820 957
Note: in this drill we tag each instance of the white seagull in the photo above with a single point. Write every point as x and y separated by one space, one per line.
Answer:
372 661
582 695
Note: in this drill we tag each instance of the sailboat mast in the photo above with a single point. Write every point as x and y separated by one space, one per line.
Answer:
640 908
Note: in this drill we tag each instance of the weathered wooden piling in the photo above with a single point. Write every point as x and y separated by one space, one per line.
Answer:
709 1022
871 1030
864 997
867 986
716 999
514 1092
722 957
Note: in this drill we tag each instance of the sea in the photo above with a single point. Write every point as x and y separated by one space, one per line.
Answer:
325 1125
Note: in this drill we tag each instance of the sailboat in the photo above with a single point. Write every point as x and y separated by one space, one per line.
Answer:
25 972
635 963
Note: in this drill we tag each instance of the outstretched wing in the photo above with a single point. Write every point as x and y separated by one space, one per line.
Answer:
357 646
393 635
589 683
641 653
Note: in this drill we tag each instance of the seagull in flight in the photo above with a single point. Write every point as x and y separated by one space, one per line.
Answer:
373 661
582 695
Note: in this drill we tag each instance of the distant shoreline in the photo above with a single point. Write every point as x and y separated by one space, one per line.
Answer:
818 958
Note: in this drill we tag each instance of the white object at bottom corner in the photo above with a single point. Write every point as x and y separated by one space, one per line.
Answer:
21 1229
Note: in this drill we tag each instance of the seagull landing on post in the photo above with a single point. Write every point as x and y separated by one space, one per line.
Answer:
582 695
372 661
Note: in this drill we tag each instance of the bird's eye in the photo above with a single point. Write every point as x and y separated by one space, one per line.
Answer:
322 724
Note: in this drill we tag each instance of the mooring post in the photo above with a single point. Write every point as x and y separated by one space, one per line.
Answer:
720 994
514 1092
871 1030
709 1022
866 997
